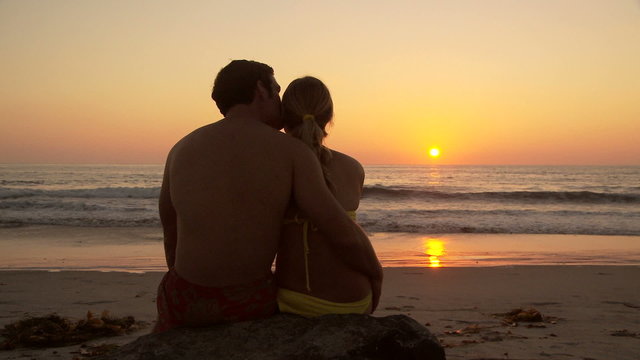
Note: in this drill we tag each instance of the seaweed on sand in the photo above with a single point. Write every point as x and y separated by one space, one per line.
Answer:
520 315
54 331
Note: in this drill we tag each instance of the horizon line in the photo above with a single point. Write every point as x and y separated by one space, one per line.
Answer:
364 164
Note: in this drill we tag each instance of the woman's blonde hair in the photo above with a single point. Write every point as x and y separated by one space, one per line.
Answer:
307 108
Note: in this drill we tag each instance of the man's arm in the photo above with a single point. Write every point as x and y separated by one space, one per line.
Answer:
376 283
169 219
347 239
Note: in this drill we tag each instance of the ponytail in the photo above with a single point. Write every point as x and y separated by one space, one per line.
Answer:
310 133
307 108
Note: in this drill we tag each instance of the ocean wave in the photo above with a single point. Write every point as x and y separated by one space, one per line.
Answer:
50 205
515 213
591 221
106 192
444 227
80 222
21 182
409 221
118 206
519 196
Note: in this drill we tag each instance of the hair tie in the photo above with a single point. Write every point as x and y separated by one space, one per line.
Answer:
308 117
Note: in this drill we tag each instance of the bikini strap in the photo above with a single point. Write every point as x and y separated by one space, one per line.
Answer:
305 240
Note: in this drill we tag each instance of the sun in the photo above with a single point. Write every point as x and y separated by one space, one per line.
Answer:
434 152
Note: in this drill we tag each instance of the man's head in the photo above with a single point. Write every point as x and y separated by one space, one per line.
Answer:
241 81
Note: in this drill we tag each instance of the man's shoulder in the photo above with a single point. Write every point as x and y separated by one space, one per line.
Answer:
187 139
194 134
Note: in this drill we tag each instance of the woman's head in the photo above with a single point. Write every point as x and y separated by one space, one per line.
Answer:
307 108
306 101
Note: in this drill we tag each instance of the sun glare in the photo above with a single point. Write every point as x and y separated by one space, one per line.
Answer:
434 152
434 249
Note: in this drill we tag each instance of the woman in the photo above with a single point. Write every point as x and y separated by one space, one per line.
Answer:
311 280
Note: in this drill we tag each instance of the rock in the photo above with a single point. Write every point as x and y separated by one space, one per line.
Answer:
287 336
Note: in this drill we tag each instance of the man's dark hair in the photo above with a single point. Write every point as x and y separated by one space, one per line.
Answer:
236 83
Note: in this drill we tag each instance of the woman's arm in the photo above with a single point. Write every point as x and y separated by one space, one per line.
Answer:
376 282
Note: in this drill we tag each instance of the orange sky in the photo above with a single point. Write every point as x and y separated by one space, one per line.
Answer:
489 82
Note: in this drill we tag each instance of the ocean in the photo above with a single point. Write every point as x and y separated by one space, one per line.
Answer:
422 199
105 217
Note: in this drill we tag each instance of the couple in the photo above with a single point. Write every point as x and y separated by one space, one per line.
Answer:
238 191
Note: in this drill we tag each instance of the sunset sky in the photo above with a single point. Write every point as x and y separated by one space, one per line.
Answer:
487 82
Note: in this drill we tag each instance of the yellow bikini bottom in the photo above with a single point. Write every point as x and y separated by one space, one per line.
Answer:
309 306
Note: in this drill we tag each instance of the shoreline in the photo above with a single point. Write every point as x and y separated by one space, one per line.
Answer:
585 306
140 249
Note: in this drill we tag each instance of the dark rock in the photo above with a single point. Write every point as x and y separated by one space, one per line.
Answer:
292 337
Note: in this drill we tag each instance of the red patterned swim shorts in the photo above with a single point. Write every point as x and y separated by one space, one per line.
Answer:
184 304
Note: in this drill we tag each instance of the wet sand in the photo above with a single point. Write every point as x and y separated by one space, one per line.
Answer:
140 249
591 312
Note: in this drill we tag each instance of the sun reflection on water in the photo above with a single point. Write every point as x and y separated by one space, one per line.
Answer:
434 249
433 177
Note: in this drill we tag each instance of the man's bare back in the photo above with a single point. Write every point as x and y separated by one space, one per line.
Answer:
230 183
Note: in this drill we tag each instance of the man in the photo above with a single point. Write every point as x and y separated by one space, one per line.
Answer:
224 194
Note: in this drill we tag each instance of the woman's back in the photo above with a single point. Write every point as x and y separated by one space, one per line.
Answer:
311 279
329 279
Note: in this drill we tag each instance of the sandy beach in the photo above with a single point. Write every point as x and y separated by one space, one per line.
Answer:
591 312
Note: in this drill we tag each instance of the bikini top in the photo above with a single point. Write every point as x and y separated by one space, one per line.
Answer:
305 238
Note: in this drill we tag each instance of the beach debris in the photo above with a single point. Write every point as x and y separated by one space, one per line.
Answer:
536 326
515 316
471 329
625 332
54 331
94 350
521 315
489 336
484 333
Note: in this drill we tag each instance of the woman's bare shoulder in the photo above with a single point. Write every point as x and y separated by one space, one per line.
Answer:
346 163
